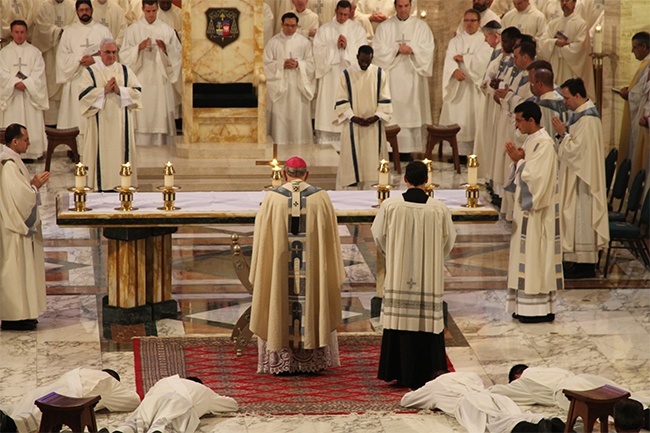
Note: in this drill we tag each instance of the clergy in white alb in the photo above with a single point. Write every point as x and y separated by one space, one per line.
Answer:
335 46
362 20
172 15
404 48
110 14
584 221
416 233
79 44
526 17
296 271
565 44
53 16
23 88
535 264
12 10
109 93
79 383
307 19
325 9
175 404
363 107
22 264
500 7
466 62
152 50
546 95
290 84
487 14
279 8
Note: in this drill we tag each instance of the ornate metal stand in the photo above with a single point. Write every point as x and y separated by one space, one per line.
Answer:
169 197
80 198
472 194
383 192
126 198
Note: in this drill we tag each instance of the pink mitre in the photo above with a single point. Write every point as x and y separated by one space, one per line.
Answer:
295 162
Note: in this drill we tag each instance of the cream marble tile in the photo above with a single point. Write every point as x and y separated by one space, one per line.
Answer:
608 323
622 347
589 300
517 348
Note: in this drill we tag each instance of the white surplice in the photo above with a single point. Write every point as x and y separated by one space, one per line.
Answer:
24 63
530 21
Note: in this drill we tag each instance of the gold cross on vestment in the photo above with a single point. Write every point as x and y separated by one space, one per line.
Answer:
402 41
297 249
274 162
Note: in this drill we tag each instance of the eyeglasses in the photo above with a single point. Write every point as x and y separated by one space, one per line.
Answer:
114 52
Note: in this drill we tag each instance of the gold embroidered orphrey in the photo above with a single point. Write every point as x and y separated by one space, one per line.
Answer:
223 25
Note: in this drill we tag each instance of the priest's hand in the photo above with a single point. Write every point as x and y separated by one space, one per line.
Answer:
371 120
378 17
290 64
359 121
144 44
514 153
459 75
643 121
561 42
87 60
40 179
312 32
404 49
559 127
494 83
458 58
20 86
342 42
161 45
624 93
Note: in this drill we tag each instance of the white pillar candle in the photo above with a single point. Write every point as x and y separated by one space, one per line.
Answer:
168 170
472 170
80 182
598 40
125 175
79 176
384 173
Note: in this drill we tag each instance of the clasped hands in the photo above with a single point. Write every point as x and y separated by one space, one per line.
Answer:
342 42
364 122
111 86
290 64
147 44
515 153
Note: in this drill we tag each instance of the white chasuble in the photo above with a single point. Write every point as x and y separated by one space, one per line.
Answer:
530 21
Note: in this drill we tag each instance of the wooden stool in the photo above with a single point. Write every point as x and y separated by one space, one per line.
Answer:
391 137
61 136
76 413
440 133
591 405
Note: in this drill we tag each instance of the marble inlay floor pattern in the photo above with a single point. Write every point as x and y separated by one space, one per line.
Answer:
602 326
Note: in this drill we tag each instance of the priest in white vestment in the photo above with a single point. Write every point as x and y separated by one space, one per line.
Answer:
362 20
487 14
296 299
526 17
23 90
11 10
335 46
109 94
110 14
79 383
53 16
279 8
77 50
325 9
22 264
546 95
416 234
363 107
172 15
584 221
175 404
290 84
535 266
404 48
307 19
152 50
466 61
565 44
378 11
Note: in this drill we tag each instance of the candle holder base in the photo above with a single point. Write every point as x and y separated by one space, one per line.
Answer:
383 192
80 199
169 197
472 194
126 198
270 187
430 188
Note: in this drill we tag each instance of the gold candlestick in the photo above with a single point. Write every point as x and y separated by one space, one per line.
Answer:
80 189
383 192
126 190
169 197
472 194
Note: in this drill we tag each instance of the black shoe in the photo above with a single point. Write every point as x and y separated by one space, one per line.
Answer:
536 319
7 424
579 271
18 325
496 201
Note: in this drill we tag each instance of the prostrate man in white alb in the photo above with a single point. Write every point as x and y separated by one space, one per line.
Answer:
363 107
565 44
22 264
23 91
466 61
584 222
175 404
109 93
152 50
404 48
526 17
290 84
79 383
53 16
79 43
110 14
535 268
335 47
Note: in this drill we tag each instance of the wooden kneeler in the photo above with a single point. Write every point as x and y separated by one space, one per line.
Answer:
594 404
59 410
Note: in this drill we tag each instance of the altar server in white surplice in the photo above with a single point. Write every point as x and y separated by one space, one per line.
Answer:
565 44
152 50
526 17
79 44
175 404
53 16
335 46
290 83
23 91
12 10
466 61
404 48
584 222
110 14
535 267
79 383
109 94
22 265
363 107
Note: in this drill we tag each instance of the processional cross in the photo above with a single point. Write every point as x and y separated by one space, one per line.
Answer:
274 162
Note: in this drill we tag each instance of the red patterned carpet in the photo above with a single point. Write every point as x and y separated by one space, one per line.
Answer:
351 388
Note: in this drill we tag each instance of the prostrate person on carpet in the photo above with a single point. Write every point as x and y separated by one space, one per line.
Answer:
79 383
535 267
175 404
416 233
462 395
297 271
630 417
22 264
363 107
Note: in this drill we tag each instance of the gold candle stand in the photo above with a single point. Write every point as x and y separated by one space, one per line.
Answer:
430 188
126 198
169 197
383 192
80 198
472 194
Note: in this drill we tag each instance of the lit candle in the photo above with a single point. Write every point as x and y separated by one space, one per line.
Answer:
598 40
276 177
472 170
429 165
79 176
125 174
168 170
384 173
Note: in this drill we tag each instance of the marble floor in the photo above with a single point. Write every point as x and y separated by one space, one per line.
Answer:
602 326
